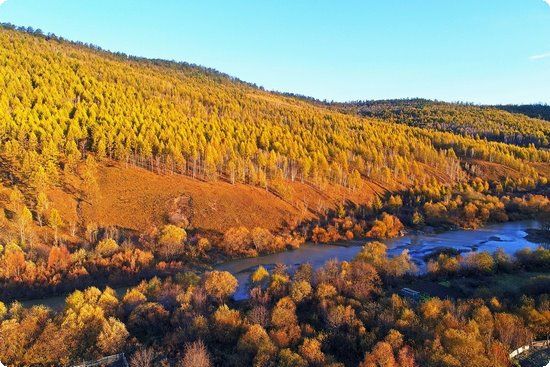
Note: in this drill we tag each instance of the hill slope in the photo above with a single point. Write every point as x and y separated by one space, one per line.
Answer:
538 111
63 103
500 123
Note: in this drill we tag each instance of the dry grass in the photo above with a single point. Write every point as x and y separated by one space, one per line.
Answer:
493 171
137 199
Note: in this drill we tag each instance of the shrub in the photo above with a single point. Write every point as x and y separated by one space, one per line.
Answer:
300 291
259 274
262 239
481 262
238 241
388 226
195 355
287 358
106 247
220 285
171 240
227 324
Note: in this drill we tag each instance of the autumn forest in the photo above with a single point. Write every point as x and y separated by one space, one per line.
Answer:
125 182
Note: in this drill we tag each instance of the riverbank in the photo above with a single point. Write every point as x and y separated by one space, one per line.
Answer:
538 236
511 236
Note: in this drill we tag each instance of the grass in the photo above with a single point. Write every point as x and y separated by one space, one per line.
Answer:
136 199
500 284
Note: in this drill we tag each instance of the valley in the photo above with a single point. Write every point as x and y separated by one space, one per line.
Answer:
174 213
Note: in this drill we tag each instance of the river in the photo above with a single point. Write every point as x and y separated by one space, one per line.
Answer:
509 236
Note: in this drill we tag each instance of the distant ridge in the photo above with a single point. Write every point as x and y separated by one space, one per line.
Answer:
538 111
519 125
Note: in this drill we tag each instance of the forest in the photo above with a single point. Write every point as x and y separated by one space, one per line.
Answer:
539 111
118 171
519 125
343 314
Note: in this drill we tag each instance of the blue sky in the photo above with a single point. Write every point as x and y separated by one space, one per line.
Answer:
483 51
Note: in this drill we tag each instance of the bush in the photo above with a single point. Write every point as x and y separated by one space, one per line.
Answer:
171 240
195 355
172 235
300 291
220 285
203 245
287 358
106 247
481 262
262 239
529 259
388 226
238 241
259 275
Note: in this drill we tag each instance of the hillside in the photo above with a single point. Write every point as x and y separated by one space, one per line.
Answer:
126 185
538 111
127 167
136 199
71 101
500 123
205 132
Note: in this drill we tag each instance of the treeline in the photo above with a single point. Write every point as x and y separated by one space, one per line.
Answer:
61 102
342 314
121 55
500 123
449 265
469 204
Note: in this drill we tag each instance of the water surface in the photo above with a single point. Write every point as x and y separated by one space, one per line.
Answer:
509 236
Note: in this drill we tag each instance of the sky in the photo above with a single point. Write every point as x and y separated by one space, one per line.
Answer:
481 51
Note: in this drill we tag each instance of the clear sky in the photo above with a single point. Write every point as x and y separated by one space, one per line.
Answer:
483 51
